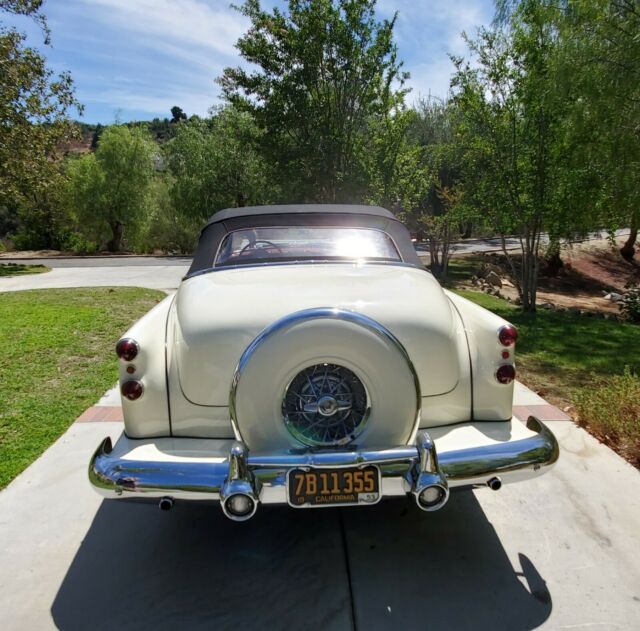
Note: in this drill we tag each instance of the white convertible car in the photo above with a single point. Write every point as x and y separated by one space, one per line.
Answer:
309 359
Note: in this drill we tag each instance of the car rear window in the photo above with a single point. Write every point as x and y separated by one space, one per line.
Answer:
304 243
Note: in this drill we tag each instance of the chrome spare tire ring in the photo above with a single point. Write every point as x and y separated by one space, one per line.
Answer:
323 313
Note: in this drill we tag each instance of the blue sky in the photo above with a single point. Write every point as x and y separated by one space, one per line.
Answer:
134 59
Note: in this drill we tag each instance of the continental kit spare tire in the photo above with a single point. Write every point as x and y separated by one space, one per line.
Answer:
324 378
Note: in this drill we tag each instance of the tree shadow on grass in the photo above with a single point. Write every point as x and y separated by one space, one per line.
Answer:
138 568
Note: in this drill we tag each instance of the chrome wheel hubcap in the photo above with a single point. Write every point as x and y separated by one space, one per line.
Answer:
325 405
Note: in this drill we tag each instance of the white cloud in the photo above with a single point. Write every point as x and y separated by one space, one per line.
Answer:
173 24
427 32
153 102
143 56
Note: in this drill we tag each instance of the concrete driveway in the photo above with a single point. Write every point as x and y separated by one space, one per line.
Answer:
156 274
559 552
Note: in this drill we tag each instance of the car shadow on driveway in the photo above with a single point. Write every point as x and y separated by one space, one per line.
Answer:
139 568
441 570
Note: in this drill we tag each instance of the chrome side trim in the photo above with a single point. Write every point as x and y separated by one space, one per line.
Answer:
314 314
402 468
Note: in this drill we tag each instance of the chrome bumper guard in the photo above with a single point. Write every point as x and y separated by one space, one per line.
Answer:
242 481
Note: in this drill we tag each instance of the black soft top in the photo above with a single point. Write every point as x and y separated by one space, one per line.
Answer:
357 216
299 209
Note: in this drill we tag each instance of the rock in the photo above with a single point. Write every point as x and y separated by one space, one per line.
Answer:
487 268
614 297
573 309
517 301
487 290
548 305
507 283
493 279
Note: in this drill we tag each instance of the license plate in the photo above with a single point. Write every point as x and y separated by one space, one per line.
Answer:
331 487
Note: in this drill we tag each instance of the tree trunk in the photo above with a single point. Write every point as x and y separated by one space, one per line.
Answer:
529 272
553 260
628 249
115 244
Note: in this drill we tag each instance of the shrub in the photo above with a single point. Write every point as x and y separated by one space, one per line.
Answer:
630 306
612 412
78 244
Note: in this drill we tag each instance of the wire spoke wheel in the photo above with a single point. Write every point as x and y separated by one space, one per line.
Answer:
325 405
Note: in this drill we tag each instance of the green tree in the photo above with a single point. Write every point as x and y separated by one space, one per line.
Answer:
602 73
324 83
434 204
215 164
177 114
110 189
511 124
34 123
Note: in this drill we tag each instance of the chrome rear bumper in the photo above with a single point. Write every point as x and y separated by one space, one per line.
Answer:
208 469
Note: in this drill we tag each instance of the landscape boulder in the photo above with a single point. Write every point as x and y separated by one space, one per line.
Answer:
493 279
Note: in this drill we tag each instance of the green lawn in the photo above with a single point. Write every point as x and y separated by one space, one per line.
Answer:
559 351
18 269
572 359
57 360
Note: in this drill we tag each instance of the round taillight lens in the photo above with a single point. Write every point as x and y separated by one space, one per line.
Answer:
127 349
508 335
132 390
506 373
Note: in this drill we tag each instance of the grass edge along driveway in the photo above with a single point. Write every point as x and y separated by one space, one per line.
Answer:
57 360
589 364
21 269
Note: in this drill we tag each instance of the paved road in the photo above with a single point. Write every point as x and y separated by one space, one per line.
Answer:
148 271
102 261
559 552
463 247
154 276
493 245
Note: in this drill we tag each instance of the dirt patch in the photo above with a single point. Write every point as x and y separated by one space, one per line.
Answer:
590 271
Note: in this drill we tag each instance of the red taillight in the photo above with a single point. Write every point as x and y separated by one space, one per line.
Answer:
127 349
132 390
508 335
506 373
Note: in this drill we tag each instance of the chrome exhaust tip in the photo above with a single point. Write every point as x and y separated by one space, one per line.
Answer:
165 503
495 484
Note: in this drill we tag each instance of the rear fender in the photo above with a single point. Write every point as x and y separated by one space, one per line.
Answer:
149 415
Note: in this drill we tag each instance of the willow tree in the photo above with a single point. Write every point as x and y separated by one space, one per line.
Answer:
324 83
109 190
